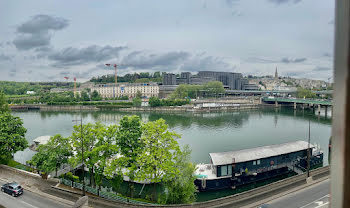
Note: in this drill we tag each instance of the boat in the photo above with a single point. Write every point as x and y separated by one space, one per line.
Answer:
38 141
237 168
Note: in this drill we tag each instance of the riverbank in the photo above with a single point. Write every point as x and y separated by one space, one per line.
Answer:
185 108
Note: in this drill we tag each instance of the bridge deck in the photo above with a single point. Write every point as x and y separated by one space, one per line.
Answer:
306 101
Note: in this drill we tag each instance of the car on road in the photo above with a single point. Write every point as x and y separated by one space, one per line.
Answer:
13 189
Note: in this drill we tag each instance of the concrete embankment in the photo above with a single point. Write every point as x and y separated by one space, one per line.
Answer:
192 108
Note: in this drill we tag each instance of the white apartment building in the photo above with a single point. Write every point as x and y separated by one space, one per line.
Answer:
127 89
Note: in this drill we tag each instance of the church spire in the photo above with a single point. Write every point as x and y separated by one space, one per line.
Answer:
276 74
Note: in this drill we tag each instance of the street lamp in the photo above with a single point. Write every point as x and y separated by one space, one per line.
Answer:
82 148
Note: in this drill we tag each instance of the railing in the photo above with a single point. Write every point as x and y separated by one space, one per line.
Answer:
103 194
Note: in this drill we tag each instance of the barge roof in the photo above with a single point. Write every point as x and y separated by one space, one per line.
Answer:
225 158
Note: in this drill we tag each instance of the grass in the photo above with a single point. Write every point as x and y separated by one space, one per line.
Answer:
16 164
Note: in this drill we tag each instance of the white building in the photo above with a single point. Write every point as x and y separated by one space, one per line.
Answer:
30 92
127 89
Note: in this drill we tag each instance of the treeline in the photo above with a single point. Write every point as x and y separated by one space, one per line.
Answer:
57 98
140 151
142 77
156 102
21 88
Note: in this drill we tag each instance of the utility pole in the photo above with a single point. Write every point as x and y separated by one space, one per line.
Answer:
82 148
308 153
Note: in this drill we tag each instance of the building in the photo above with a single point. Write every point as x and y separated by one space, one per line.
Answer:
250 87
187 76
127 89
276 73
201 80
169 79
228 79
30 93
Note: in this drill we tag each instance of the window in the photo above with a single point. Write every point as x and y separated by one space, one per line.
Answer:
224 170
254 162
258 162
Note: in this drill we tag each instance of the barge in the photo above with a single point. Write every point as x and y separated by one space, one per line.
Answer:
237 168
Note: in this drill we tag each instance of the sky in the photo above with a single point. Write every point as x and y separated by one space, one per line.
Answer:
44 40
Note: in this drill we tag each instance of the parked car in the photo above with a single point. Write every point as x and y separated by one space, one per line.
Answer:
13 189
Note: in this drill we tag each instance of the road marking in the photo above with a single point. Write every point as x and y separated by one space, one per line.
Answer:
317 201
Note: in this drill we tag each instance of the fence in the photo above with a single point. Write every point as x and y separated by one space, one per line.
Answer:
103 194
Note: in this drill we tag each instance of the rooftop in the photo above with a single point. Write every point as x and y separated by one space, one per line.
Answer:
224 158
42 139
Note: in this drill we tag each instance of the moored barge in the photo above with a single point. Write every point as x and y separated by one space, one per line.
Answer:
237 168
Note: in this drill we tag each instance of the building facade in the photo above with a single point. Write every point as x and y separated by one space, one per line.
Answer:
169 79
128 89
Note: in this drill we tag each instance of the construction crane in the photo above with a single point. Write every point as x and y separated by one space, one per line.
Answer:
75 86
115 74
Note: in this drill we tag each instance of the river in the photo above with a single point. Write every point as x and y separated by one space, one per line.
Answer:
203 132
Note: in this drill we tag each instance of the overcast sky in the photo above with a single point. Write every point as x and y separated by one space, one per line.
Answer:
47 40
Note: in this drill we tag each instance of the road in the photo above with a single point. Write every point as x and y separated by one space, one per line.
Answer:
28 200
316 196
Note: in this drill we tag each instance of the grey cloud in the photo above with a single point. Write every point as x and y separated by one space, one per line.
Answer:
41 24
331 22
4 57
36 32
142 60
29 41
321 68
75 56
284 1
260 60
290 60
206 63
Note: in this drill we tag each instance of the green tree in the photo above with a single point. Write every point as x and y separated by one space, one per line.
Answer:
301 93
12 135
85 96
130 144
154 102
214 88
181 188
157 159
52 155
136 102
95 96
3 103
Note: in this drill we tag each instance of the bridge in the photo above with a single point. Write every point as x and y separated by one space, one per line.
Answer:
260 92
298 101
311 103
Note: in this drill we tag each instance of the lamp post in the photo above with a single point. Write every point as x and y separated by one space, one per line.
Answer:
308 153
82 148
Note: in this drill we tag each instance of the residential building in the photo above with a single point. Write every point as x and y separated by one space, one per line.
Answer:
127 89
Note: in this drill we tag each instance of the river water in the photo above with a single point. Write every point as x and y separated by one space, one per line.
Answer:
203 132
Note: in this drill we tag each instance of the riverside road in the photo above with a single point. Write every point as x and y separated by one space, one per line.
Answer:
316 196
28 200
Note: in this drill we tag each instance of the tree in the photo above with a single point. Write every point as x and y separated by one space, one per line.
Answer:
181 189
105 149
154 102
136 102
130 144
85 96
305 93
52 155
3 103
156 160
214 87
12 135
95 96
